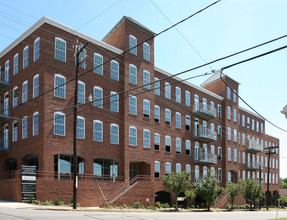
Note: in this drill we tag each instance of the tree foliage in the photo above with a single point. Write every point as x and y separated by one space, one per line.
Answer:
232 190
283 183
208 189
283 200
251 190
177 182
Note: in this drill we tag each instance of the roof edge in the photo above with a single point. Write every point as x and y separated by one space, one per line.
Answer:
190 84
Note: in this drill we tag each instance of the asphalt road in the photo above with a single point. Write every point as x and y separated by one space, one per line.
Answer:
16 213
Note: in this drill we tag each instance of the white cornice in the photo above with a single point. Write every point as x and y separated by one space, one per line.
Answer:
190 84
63 27
249 112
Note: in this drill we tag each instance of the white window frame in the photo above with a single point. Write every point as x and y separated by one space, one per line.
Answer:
25 57
14 131
62 125
167 117
228 113
36 86
36 50
146 51
115 135
167 143
133 105
114 68
178 168
133 136
167 168
146 138
157 114
178 145
187 98
60 87
132 43
146 79
187 147
80 93
234 115
62 52
157 141
82 128
24 128
99 132
25 91
98 103
146 108
156 86
133 75
178 120
156 169
114 101
16 64
229 154
167 89
178 94
35 124
15 100
98 64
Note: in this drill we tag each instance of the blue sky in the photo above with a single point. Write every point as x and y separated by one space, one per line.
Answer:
225 28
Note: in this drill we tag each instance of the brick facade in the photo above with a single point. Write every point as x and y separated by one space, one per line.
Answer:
46 149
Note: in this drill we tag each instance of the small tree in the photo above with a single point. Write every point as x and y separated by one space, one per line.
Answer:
283 200
208 189
252 191
177 182
232 190
190 194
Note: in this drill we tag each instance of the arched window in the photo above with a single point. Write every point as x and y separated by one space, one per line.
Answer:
157 169
25 127
35 123
60 86
25 92
81 92
98 63
114 70
133 136
60 49
25 57
132 74
98 131
132 45
80 127
59 123
98 97
114 134
16 64
146 51
36 86
37 49
133 105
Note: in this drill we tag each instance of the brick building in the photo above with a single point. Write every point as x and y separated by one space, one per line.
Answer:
127 140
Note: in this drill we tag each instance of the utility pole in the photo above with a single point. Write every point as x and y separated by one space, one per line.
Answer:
268 171
260 166
75 162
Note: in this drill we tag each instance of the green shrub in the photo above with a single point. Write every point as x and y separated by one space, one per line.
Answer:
136 205
228 206
247 206
197 206
150 207
165 205
142 207
158 205
37 202
192 206
180 206
57 201
31 198
47 202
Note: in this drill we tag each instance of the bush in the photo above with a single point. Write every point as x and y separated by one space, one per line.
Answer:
228 206
37 202
197 206
180 206
47 202
247 206
150 207
136 205
192 206
142 207
165 205
57 201
72 203
31 198
158 205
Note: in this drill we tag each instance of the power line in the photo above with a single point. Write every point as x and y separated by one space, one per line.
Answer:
180 33
242 98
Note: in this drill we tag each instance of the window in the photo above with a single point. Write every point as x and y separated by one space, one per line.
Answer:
114 70
59 123
60 86
204 104
25 57
204 171
229 154
187 98
146 51
167 168
262 128
188 168
243 175
114 134
114 102
234 115
156 113
60 49
107 168
6 104
228 113
146 79
196 174
248 122
178 168
132 74
133 136
219 173
228 93
178 145
234 96
36 86
156 141
7 68
16 64
178 94
80 127
243 121
15 97
82 58
187 122
37 49
81 92
98 131
187 147
157 169
219 151
253 124
235 135
178 120
212 149
196 150
235 155
219 131
156 86
219 113
98 97
146 138
146 108
25 92
243 139
229 133
133 45
6 137
196 103
212 110
167 90
167 143
24 127
98 63
133 105
35 123
257 126
167 117
15 131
